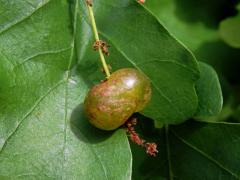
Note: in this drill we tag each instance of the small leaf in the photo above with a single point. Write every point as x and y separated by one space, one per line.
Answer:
229 31
209 92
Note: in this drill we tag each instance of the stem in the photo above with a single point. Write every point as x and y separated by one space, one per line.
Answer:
95 31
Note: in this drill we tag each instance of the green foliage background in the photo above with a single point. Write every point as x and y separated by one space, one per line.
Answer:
47 66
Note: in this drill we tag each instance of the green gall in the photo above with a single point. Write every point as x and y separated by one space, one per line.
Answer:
109 104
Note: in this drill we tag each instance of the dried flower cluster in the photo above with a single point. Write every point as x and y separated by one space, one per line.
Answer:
151 148
102 45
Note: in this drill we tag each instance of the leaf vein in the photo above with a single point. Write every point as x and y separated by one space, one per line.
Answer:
169 61
40 54
29 113
205 155
23 19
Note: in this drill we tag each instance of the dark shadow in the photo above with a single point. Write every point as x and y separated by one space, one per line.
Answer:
145 126
187 128
209 12
144 166
223 58
71 4
83 130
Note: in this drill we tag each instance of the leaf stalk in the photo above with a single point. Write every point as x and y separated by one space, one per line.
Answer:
95 32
